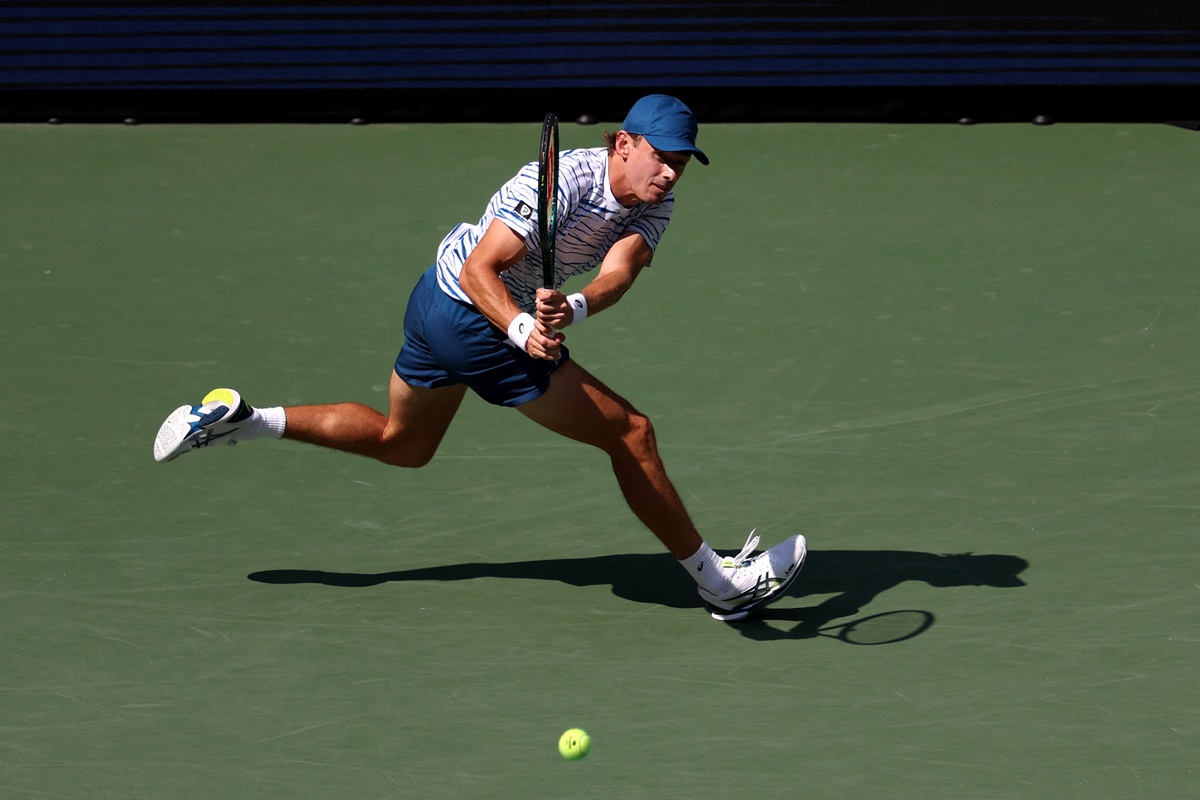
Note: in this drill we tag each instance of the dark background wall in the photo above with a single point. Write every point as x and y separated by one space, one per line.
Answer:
468 59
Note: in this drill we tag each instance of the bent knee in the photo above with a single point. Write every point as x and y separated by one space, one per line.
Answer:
638 433
405 457
406 462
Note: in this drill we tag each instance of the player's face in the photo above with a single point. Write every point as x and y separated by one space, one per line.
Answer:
652 173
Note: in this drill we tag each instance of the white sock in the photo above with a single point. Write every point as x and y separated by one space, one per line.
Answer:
705 568
263 422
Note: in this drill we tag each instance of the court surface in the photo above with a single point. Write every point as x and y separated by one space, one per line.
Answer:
961 360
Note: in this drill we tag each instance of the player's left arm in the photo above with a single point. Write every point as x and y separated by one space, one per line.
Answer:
620 268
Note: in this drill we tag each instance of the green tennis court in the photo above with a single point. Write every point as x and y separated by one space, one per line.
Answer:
961 360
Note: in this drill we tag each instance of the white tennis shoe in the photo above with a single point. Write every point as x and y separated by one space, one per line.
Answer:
216 419
756 581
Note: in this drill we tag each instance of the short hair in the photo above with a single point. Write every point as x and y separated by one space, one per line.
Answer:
610 139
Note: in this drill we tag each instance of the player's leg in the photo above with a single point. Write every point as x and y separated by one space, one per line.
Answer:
408 437
421 407
580 407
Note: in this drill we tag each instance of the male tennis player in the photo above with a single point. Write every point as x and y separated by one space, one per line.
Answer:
470 324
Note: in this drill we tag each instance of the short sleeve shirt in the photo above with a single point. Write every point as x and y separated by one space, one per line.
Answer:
590 221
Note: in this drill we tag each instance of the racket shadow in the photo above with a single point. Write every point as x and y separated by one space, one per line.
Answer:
853 578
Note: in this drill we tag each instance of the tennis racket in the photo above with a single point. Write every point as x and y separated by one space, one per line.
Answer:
548 196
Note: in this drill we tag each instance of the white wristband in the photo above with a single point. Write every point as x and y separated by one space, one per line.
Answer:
578 304
519 330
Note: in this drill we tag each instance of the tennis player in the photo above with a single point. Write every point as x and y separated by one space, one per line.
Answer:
471 324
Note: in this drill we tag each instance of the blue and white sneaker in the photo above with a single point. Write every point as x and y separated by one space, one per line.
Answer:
189 428
756 581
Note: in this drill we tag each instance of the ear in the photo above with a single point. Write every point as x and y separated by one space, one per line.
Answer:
624 144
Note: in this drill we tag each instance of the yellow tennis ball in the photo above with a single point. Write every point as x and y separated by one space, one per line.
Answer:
574 744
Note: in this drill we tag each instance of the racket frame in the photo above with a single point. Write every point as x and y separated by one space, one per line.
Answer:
548 196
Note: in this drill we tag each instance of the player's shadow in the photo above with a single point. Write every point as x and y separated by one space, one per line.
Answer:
852 579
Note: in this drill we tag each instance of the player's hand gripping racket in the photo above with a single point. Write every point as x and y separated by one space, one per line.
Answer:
548 196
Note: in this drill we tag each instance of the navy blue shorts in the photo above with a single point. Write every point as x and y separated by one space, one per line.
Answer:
447 342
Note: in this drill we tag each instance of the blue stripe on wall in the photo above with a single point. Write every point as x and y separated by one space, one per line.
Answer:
163 45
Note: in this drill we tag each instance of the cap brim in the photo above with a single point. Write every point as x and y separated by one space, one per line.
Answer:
670 145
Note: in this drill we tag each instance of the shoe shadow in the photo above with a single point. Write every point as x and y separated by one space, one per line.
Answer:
854 578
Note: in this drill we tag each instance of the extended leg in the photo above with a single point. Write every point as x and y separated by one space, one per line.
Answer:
407 437
580 407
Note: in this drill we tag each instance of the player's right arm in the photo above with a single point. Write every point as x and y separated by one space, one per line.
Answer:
620 268
499 249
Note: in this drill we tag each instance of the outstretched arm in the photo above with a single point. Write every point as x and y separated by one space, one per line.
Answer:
621 267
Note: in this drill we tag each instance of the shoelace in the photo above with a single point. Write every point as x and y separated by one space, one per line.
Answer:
748 548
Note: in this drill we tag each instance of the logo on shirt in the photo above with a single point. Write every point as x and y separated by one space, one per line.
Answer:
524 211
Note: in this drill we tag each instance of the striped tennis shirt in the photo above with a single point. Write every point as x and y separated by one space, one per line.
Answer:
590 220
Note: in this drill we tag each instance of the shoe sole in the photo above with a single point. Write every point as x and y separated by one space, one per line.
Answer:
746 610
172 435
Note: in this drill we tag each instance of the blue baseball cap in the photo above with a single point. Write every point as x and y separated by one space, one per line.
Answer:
666 123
